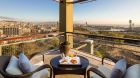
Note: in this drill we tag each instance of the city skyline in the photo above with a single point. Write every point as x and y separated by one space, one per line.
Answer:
99 12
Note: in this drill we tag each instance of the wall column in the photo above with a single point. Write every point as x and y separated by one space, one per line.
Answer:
66 20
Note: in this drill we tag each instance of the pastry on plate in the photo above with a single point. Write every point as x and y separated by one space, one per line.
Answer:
64 61
73 61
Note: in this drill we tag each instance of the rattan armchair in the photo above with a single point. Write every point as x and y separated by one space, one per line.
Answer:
4 60
99 72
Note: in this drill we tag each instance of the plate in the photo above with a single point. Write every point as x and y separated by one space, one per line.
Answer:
70 61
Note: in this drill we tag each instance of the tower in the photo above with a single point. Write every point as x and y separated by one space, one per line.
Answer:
130 25
86 23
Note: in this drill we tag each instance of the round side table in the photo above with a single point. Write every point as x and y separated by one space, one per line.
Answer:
77 70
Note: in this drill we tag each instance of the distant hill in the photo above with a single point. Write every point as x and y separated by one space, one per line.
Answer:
3 18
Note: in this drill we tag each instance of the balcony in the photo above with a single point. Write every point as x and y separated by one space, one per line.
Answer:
89 46
92 47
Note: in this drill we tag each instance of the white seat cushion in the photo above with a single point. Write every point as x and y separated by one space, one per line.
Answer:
12 67
104 69
133 71
41 74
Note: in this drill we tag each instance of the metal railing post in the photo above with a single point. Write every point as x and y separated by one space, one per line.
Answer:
0 50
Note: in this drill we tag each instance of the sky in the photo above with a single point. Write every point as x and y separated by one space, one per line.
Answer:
97 12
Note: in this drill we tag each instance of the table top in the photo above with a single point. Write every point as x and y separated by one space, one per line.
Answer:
55 64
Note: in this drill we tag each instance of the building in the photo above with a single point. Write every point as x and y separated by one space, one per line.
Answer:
11 31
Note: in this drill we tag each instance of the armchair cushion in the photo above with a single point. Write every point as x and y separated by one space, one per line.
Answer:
24 63
41 74
13 68
133 71
106 71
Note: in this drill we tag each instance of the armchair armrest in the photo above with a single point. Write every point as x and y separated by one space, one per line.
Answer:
95 71
38 53
108 57
42 67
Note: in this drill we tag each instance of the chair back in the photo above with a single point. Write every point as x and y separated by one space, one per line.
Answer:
4 61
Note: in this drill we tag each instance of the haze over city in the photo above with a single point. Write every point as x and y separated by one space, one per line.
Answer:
99 12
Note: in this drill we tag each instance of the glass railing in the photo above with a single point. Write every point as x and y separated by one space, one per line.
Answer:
97 46
29 46
101 46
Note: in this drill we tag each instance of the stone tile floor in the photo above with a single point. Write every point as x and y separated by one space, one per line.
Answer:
94 61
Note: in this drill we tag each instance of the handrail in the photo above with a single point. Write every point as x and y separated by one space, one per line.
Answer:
27 37
23 42
119 43
101 36
81 46
109 39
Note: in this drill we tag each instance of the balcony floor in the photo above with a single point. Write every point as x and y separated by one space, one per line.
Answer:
94 61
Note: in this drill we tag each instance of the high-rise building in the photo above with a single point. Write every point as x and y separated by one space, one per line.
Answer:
12 30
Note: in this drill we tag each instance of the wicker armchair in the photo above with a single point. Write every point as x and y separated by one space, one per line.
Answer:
4 60
99 71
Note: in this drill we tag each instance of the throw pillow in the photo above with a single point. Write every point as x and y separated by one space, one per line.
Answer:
119 69
24 63
13 68
116 73
133 71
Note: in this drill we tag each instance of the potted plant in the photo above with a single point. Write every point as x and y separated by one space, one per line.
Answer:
65 48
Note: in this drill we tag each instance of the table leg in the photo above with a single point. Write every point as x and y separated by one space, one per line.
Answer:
85 75
53 75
